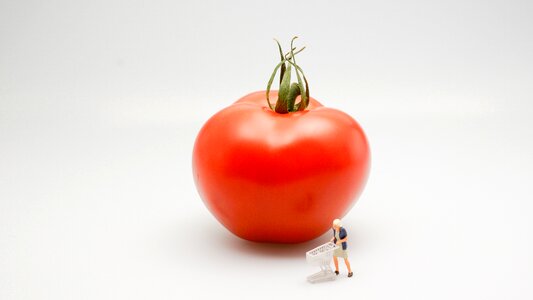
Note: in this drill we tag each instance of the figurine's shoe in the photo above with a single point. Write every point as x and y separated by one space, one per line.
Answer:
336 272
350 274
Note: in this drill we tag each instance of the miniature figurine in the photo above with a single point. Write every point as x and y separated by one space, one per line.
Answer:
340 236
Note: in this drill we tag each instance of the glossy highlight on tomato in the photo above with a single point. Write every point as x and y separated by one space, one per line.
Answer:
279 177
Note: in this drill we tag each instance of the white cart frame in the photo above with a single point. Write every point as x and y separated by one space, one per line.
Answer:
322 256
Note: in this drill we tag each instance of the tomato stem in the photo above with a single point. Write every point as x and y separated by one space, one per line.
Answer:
288 92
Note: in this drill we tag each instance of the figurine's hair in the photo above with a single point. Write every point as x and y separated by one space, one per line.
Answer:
337 222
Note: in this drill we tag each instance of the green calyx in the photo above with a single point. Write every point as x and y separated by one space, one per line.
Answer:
288 92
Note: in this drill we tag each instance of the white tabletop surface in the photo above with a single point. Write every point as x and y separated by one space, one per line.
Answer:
100 103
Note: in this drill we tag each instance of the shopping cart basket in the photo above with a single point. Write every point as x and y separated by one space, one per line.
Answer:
321 256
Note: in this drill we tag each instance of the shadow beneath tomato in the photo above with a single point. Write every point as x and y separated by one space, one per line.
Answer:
287 250
217 241
276 250
221 238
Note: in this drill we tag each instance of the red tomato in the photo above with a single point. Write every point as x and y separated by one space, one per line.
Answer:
271 177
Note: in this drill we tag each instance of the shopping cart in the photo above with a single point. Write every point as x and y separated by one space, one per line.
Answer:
321 256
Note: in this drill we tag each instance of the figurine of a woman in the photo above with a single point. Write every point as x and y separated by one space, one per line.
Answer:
340 236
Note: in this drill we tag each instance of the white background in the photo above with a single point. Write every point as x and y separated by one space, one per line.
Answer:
100 102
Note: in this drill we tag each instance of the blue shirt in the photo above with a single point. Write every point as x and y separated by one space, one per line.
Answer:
342 235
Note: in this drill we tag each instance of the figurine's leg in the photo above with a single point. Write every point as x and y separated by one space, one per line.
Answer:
336 262
350 273
348 265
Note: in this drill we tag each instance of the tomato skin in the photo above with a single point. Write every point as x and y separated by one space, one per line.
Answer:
270 177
